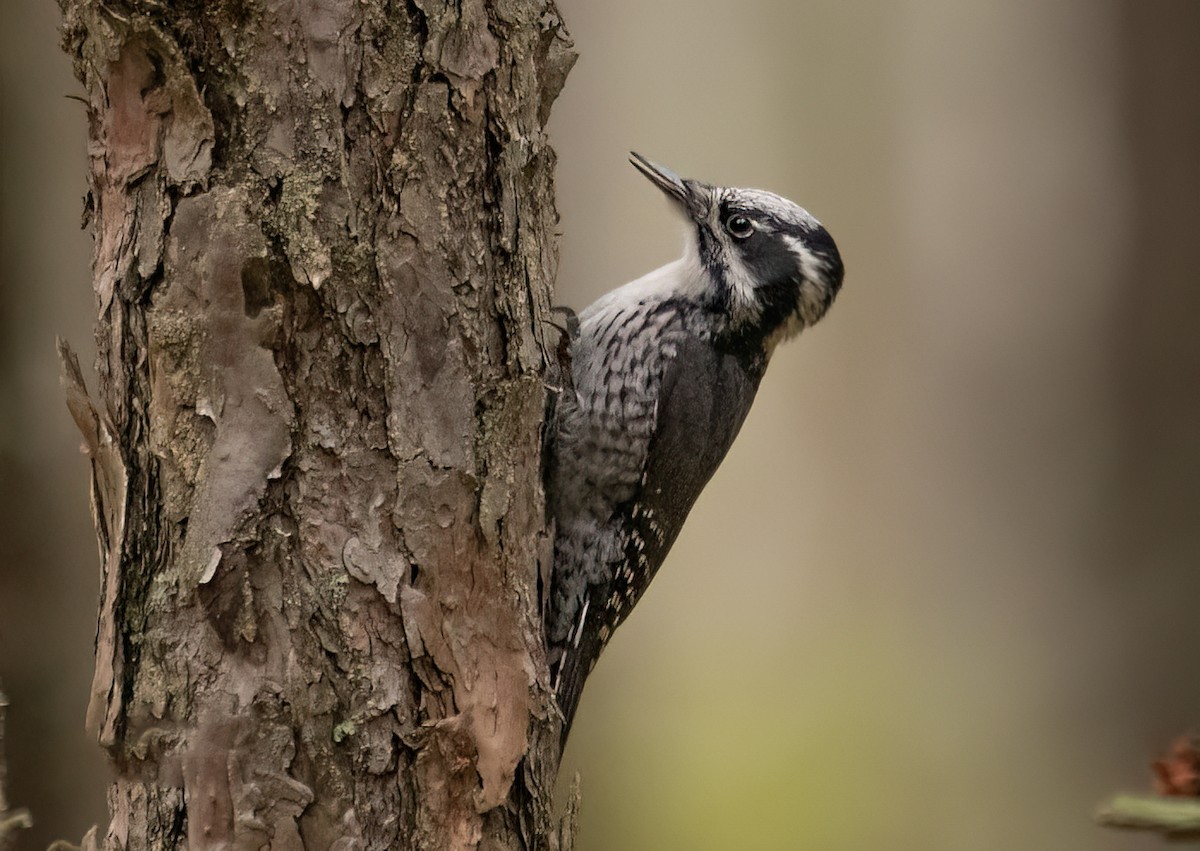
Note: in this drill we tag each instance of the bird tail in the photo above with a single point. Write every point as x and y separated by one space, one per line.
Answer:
575 662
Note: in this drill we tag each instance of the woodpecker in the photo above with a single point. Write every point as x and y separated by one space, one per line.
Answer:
662 374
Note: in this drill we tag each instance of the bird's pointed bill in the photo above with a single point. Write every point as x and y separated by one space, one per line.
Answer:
661 176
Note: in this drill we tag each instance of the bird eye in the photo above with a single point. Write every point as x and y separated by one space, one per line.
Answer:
739 226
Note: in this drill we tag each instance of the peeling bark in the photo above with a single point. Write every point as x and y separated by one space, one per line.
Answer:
323 263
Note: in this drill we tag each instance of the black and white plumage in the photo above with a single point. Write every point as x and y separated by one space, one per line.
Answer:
663 372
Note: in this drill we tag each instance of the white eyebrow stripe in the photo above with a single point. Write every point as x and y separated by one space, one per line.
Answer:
811 266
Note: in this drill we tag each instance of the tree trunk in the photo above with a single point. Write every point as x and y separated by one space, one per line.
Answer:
323 265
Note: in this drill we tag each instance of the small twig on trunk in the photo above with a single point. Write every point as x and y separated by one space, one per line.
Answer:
1177 818
10 820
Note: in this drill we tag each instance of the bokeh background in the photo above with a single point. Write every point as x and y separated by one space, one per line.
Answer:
943 593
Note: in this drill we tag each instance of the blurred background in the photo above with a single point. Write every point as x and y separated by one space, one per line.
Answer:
943 592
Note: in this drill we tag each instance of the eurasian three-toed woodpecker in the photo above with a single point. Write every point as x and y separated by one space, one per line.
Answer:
663 371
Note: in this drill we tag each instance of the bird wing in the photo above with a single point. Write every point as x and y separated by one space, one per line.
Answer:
704 399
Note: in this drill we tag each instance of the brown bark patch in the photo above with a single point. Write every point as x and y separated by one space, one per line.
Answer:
210 360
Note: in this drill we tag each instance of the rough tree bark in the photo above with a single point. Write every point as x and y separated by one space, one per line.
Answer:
323 264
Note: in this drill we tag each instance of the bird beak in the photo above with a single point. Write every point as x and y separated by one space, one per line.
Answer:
665 179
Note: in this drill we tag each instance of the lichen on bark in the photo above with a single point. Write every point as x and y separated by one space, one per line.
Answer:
323 265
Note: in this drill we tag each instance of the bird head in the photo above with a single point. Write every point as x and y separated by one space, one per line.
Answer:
763 261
